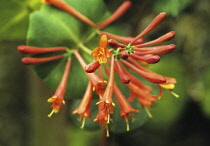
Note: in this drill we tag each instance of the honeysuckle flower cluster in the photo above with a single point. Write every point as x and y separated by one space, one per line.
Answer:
113 55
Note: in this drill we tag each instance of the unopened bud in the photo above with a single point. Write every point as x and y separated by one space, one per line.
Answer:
92 67
114 44
148 59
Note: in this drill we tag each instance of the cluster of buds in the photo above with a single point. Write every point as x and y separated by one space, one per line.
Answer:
113 54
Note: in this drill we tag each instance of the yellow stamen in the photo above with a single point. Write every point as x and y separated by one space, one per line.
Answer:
102 82
168 86
174 94
51 113
127 124
44 2
107 132
94 88
52 99
148 112
108 120
83 123
100 96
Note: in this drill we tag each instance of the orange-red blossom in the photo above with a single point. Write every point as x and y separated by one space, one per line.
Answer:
58 98
101 53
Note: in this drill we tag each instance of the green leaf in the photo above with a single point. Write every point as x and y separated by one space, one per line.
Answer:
169 108
206 99
119 124
52 27
14 18
171 7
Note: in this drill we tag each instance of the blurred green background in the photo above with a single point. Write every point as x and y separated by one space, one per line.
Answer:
184 121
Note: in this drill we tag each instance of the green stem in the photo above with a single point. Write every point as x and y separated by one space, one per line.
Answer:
69 53
84 48
94 33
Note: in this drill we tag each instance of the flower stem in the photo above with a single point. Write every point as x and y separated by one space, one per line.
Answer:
84 48
94 33
148 112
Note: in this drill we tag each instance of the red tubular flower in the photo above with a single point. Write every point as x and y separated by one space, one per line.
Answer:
137 64
30 50
100 88
122 39
169 85
137 82
108 104
150 59
101 53
119 12
114 44
31 61
66 7
58 98
158 50
84 107
155 22
161 39
103 118
144 97
92 67
150 76
126 109
98 83
124 78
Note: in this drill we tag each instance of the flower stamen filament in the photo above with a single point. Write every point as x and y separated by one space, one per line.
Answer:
148 112
51 113
108 120
127 124
107 132
174 94
83 123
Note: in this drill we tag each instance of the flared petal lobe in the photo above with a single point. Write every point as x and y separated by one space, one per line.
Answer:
101 53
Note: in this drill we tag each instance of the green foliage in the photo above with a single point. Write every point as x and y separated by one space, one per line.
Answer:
53 27
169 108
206 98
171 7
14 18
